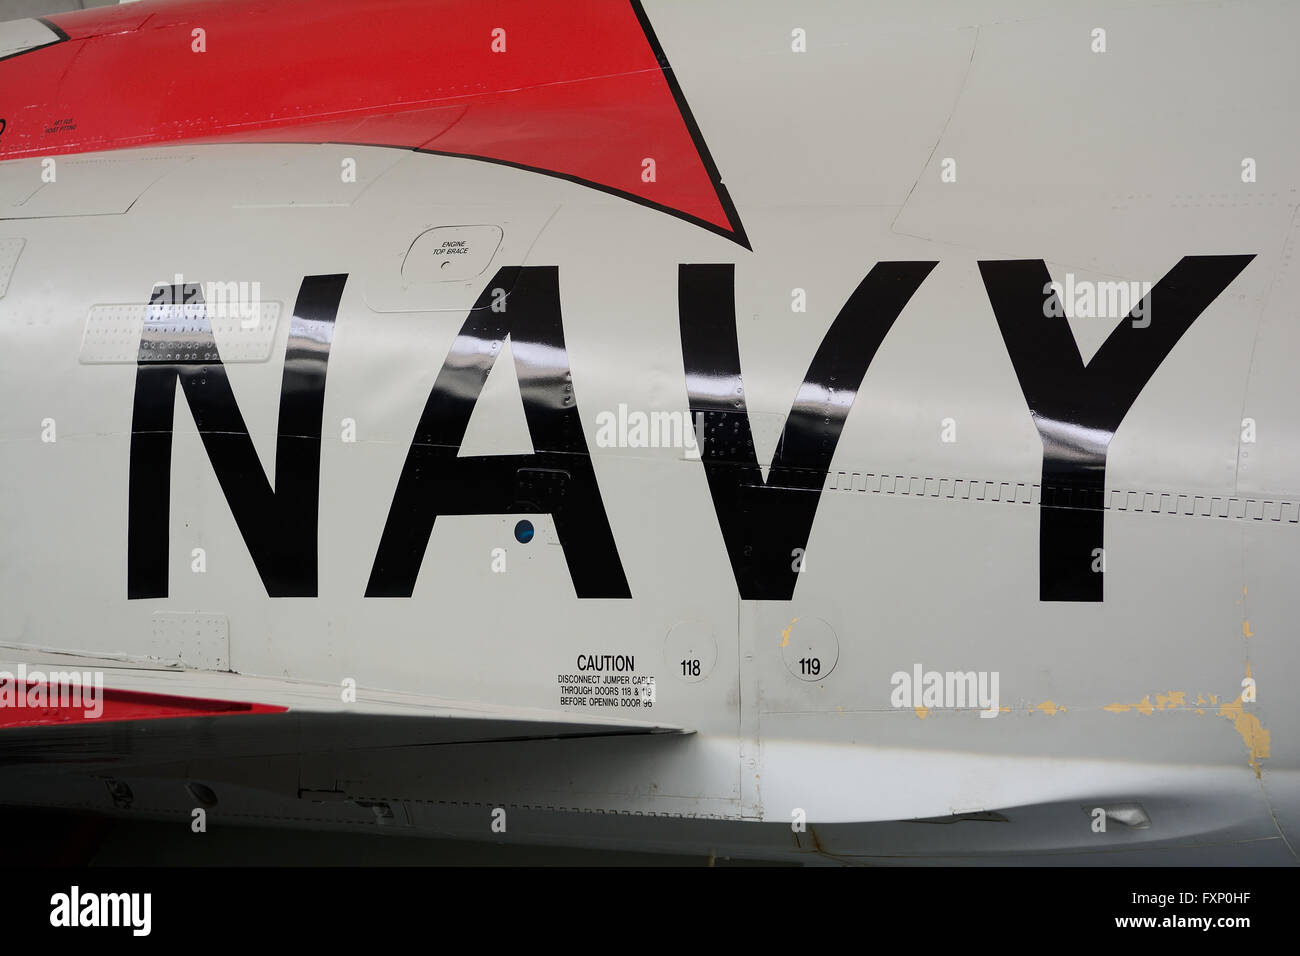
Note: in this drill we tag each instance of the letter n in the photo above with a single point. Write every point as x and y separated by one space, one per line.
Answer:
279 525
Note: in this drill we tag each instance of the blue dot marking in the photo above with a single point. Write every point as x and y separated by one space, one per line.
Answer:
524 532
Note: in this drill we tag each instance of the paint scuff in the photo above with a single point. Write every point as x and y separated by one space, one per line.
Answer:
1258 739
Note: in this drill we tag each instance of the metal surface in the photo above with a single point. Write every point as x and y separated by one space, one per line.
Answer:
917 550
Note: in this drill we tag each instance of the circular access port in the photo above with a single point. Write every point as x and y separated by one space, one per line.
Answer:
690 651
809 648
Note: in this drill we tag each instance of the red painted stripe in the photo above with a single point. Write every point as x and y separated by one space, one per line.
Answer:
579 93
35 709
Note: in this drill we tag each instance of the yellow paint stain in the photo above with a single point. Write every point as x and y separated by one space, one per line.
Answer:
1005 710
1050 708
1252 732
923 712
1175 698
1258 740
785 635
1170 701
1245 629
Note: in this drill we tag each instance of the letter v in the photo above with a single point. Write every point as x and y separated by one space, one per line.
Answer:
762 522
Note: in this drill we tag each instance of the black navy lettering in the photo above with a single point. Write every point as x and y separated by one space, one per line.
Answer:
557 478
278 525
763 523
1078 408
